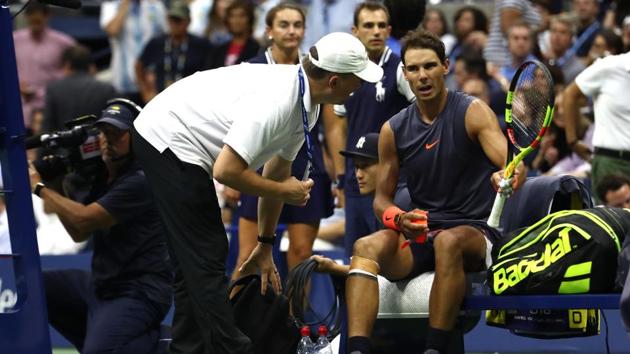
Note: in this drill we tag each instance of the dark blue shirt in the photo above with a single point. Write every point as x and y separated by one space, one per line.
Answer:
366 114
448 174
131 257
182 63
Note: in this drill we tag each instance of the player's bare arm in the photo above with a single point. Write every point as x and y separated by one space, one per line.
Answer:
483 127
389 168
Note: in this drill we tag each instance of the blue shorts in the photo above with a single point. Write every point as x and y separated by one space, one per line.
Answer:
320 205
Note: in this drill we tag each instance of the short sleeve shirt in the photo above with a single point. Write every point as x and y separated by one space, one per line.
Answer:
256 109
607 81
132 254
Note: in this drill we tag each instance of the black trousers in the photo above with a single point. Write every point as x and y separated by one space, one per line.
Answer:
187 202
125 324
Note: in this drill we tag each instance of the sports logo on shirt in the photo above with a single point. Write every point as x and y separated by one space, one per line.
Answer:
431 145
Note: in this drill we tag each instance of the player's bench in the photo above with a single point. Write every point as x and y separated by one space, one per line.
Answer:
404 307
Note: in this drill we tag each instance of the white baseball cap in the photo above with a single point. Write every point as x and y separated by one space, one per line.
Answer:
342 53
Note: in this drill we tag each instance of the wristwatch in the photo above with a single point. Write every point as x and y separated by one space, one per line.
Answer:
38 188
269 240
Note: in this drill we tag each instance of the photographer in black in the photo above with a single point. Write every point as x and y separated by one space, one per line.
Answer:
119 305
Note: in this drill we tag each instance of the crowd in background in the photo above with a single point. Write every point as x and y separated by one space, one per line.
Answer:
155 43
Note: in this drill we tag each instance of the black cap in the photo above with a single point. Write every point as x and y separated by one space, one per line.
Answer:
366 147
118 115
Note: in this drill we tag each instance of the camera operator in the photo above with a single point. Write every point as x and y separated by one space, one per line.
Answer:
119 306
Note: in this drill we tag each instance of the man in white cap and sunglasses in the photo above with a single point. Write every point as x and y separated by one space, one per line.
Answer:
227 123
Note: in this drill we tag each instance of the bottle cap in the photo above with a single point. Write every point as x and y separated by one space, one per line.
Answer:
305 331
323 330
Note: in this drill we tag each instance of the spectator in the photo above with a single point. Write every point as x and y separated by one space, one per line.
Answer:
467 20
327 16
607 81
365 112
38 52
477 88
554 156
614 191
285 30
588 26
520 45
435 22
561 35
606 43
240 23
171 57
119 305
217 31
506 13
130 24
471 65
77 94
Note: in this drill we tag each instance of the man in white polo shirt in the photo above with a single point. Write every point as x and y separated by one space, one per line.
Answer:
227 123
607 81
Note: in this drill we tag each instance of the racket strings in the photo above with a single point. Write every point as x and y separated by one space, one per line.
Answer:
532 95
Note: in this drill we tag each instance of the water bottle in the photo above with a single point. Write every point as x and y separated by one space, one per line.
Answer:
306 346
323 345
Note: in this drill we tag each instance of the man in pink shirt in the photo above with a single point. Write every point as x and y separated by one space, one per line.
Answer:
38 50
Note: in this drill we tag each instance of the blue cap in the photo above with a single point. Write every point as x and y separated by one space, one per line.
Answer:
118 115
366 147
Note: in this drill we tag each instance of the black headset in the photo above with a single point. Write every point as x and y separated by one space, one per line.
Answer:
135 108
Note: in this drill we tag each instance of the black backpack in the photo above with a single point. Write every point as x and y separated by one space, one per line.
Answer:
264 318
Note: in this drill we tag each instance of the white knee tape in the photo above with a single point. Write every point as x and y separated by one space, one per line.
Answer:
361 272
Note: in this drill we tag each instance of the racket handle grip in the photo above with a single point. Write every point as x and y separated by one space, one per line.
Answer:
497 210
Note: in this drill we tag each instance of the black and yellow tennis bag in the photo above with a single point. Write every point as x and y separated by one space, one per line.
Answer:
566 252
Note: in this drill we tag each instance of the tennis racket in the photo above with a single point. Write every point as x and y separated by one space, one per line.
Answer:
528 114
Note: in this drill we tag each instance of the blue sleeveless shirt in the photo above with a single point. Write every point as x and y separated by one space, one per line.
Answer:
447 173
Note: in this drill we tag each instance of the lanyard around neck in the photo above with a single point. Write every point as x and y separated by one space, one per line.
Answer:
170 75
307 136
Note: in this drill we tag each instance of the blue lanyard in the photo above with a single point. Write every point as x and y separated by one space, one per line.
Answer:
307 136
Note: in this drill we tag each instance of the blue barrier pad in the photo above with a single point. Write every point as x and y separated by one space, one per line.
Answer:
525 302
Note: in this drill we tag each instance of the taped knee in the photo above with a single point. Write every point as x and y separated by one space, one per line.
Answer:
365 267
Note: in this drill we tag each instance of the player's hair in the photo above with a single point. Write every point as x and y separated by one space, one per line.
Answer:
421 39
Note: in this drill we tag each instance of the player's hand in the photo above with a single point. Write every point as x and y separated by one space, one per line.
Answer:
261 258
413 223
297 192
509 186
